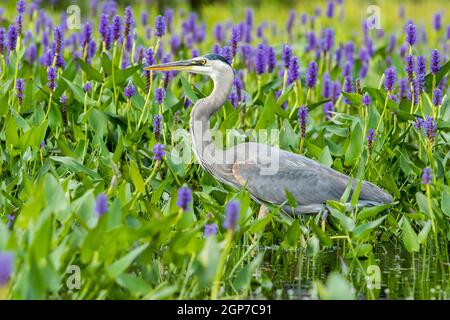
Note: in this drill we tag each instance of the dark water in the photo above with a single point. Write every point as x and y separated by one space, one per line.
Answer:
391 273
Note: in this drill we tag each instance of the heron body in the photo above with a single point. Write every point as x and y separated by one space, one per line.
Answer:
267 172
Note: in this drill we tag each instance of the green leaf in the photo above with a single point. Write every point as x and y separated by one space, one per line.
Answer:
291 199
78 92
325 157
74 166
187 89
323 237
90 72
119 266
370 212
410 239
364 230
355 146
134 284
136 177
445 203
347 223
292 234
423 203
423 234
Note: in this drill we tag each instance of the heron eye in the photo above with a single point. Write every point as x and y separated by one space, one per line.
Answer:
203 61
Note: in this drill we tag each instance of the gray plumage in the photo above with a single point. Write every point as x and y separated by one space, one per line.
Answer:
264 170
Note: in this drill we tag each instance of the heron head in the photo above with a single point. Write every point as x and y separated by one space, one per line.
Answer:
210 64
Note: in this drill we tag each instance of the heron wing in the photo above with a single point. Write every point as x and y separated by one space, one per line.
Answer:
308 181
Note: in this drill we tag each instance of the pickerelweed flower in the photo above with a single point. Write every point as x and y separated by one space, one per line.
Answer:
430 128
158 151
129 22
437 21
10 222
330 9
293 72
2 40
103 27
403 87
21 6
303 120
234 39
87 87
290 22
51 75
364 70
312 74
12 37
327 40
435 61
117 27
437 97
421 65
370 139
327 86
286 55
260 59
160 93
427 175
63 101
20 87
101 204
129 91
184 198
227 54
30 53
157 125
219 33
160 26
311 41
347 70
210 230
348 88
6 267
390 78
411 34
86 34
336 91
366 99
328 108
231 215
419 123
409 67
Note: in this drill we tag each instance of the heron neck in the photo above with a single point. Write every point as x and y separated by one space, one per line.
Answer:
203 109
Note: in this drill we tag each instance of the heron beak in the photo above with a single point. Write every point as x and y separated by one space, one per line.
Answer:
179 66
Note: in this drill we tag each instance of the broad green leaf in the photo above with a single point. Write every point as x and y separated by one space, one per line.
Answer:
410 239
136 177
363 230
355 146
119 266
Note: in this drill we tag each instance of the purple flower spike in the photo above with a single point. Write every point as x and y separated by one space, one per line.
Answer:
158 151
302 120
328 108
411 34
21 6
129 91
370 139
260 59
409 67
51 75
390 78
231 215
117 27
311 75
160 93
327 40
348 88
234 39
210 230
184 198
129 22
293 72
160 26
157 125
330 9
6 266
101 204
437 97
435 61
437 21
430 128
20 87
366 100
103 26
227 54
286 55
12 37
87 87
271 59
427 175
86 34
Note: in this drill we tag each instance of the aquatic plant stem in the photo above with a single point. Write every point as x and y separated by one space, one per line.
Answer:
221 264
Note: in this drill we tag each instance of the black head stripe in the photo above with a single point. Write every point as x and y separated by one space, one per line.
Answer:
215 56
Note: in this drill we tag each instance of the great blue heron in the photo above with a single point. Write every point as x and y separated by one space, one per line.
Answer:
266 171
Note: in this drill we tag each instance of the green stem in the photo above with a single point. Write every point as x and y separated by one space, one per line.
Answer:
220 266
